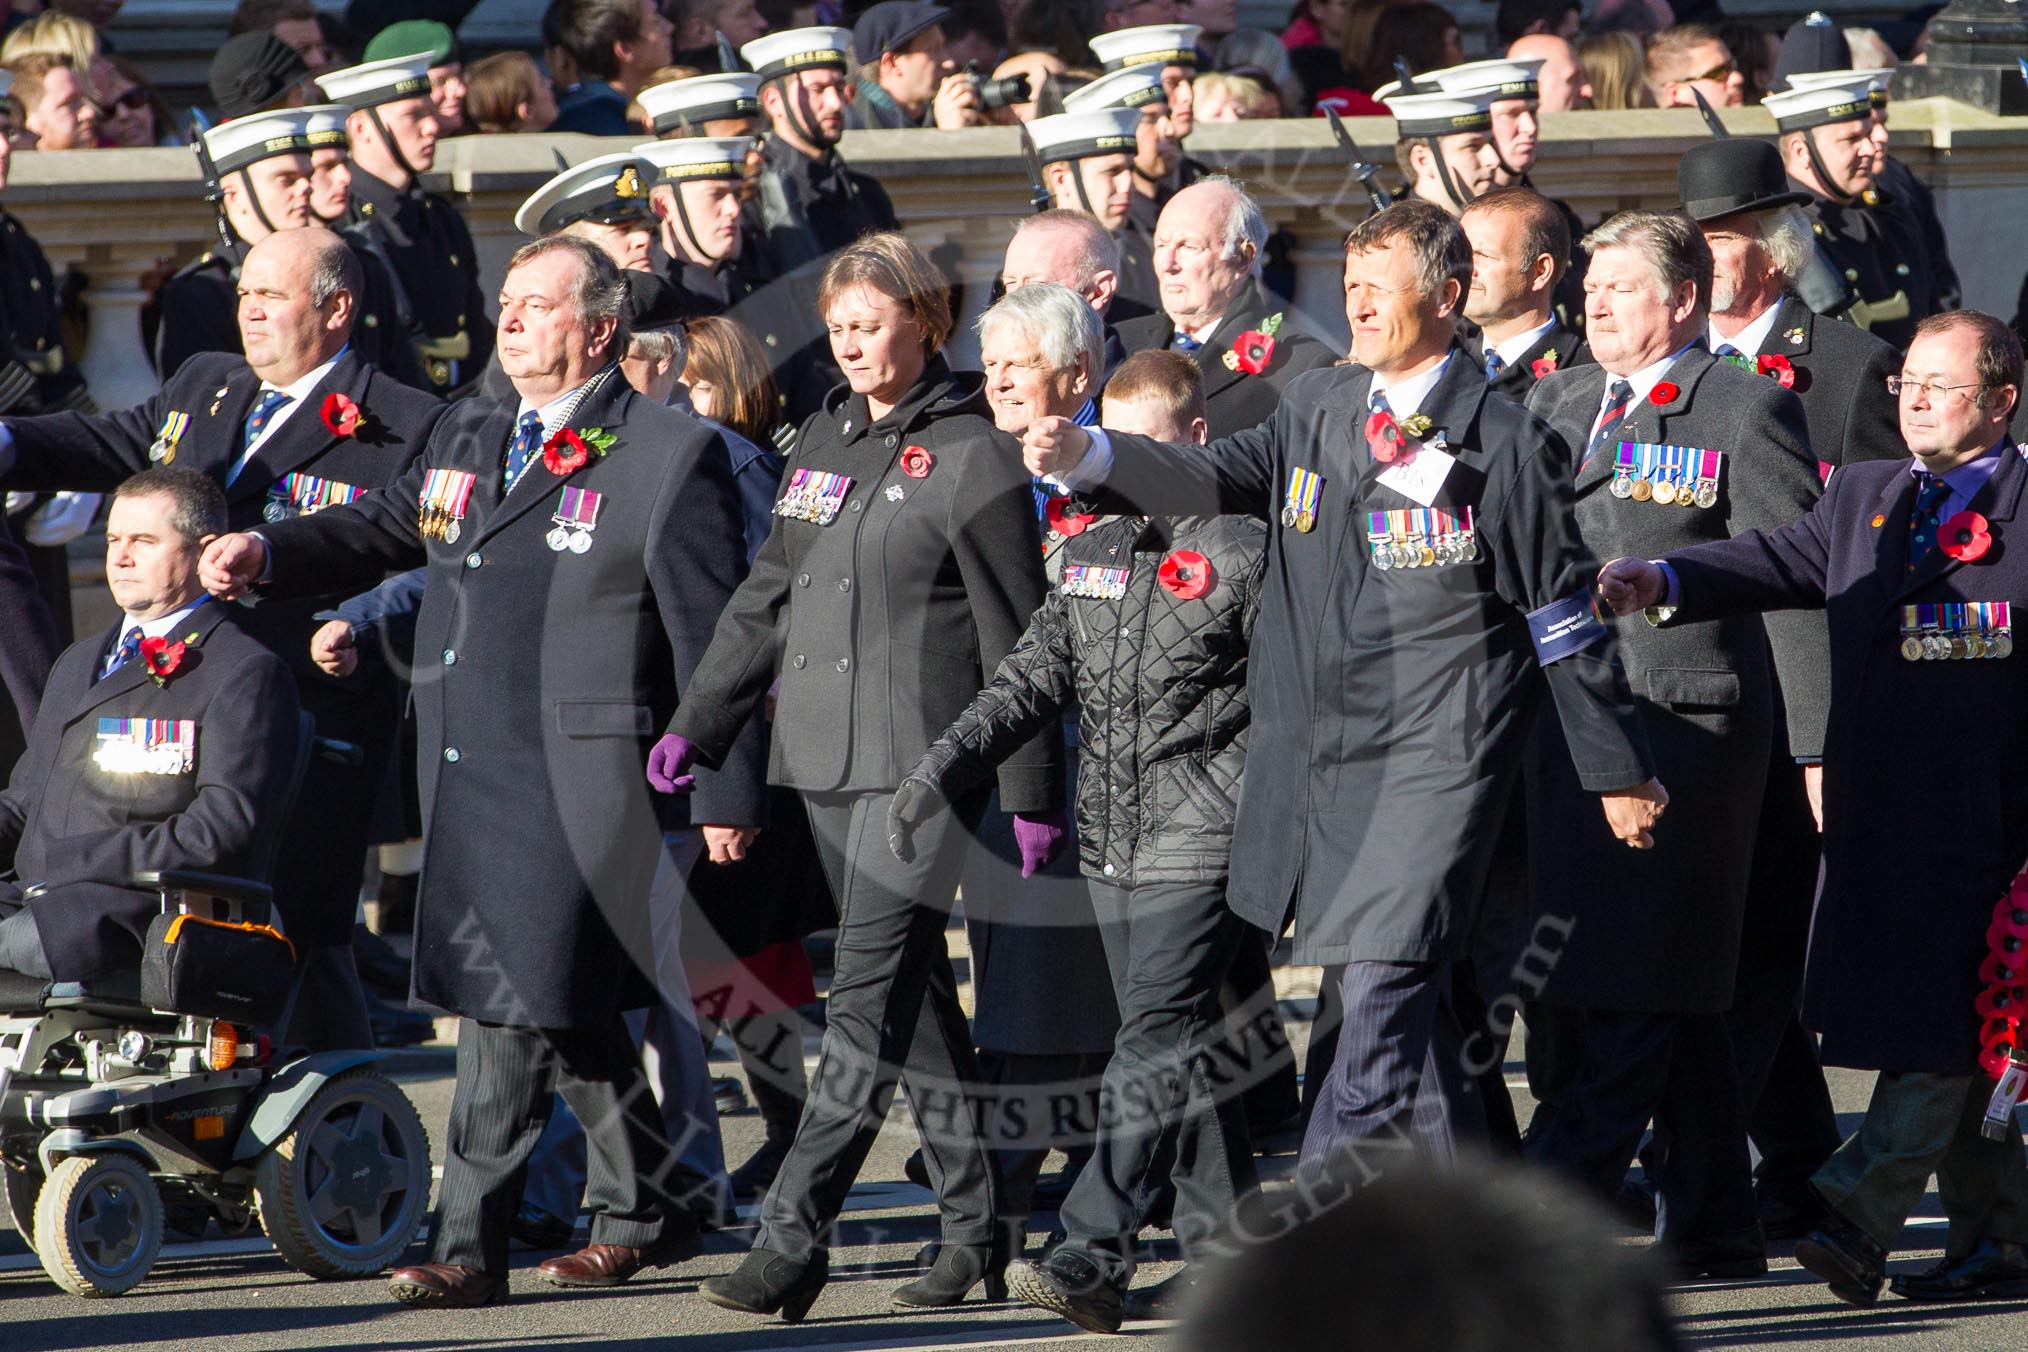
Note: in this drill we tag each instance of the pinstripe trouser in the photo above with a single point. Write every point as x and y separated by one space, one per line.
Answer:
506 1086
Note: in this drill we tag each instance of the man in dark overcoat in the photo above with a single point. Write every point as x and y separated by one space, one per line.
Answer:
1910 562
1216 312
1393 677
578 551
1678 447
270 429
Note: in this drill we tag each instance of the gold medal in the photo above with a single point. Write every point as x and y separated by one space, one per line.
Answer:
1911 649
1425 556
1664 492
1306 522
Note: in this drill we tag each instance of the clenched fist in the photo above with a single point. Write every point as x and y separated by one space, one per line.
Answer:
1628 585
1632 813
1053 446
232 564
334 649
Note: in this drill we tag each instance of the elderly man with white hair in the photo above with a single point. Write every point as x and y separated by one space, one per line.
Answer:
1215 311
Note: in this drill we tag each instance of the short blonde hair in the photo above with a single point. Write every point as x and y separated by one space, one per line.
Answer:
890 265
54 33
1164 379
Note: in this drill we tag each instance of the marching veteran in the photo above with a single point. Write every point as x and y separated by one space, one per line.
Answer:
163 743
580 542
1914 966
1423 563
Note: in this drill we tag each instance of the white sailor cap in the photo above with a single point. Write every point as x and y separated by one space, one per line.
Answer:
1156 44
675 104
1876 81
256 137
1504 78
375 82
1436 113
609 190
1130 87
1077 136
689 158
1820 106
776 54
325 125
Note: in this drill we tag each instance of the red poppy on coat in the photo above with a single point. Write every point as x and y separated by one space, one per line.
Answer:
1774 364
1064 519
1383 437
565 453
1663 393
916 462
1541 367
1186 573
1966 537
341 416
1252 352
161 658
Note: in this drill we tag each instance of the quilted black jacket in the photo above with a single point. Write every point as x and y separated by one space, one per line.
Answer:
1159 682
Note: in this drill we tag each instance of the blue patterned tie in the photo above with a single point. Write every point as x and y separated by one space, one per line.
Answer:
256 421
1728 350
129 649
1930 492
527 439
1183 342
1495 364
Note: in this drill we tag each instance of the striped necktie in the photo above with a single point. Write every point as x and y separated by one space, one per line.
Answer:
1619 398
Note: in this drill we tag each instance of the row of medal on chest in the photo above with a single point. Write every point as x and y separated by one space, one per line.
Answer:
1957 631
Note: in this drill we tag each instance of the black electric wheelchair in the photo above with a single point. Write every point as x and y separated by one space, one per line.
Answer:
119 1105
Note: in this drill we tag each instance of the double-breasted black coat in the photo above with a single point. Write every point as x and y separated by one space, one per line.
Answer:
1233 399
1390 707
1659 929
1925 762
317 875
85 810
883 624
543 677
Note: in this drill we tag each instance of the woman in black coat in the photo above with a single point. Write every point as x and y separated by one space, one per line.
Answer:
904 564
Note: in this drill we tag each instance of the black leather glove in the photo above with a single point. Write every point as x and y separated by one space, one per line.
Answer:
915 802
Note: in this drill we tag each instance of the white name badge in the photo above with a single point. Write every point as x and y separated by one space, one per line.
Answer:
1422 476
146 746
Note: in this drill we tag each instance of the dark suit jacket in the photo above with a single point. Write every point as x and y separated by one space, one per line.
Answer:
1392 705
1234 400
1902 910
1841 374
884 624
1559 349
1706 693
83 826
544 677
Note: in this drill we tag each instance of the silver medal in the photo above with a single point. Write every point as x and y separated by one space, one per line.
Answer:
580 541
452 531
1623 486
275 510
558 539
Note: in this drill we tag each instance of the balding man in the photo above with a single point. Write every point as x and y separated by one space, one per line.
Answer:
1563 86
297 424
1071 249
1208 244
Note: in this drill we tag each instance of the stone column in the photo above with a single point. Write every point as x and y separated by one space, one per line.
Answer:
115 364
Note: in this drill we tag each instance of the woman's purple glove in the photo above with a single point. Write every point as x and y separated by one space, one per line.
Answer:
1040 838
666 763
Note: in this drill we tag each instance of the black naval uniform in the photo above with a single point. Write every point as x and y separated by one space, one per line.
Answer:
32 312
1233 399
1136 239
317 877
434 271
1879 251
199 309
883 625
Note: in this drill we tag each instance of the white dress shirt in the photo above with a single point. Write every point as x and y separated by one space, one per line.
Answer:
298 392
1753 337
1512 349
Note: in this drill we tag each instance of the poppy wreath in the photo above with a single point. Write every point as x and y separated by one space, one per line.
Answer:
162 658
568 450
1064 518
2004 977
1966 537
1253 350
341 416
1186 573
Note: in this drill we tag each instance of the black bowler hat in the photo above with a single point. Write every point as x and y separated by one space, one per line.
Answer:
251 71
1719 178
652 303
890 24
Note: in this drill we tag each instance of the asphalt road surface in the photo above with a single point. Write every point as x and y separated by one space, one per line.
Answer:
236 1296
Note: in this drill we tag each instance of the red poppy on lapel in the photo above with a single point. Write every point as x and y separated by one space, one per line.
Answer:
1543 365
917 462
1064 518
1186 573
1383 436
341 416
1966 537
1780 368
565 452
161 658
1663 393
1252 352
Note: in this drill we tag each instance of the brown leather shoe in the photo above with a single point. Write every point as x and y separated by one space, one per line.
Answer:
446 1286
613 1264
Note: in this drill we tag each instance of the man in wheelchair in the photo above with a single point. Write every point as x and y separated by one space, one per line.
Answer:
166 743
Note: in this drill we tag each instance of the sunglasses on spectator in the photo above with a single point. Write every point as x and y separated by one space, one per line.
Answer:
132 101
1718 72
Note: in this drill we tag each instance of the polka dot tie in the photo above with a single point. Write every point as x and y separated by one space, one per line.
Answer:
1923 522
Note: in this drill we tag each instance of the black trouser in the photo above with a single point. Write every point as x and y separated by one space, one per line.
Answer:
892 1016
1781 1082
507 1082
1161 1117
1676 1070
1049 1096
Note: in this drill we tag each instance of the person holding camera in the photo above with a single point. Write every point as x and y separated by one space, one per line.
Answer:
905 77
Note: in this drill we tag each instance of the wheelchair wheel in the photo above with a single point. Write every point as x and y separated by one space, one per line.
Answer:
21 1184
343 1194
98 1224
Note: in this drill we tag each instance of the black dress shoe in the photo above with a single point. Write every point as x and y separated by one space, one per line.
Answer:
952 1274
767 1282
1784 1218
1069 1284
728 1095
535 1228
1847 1257
1997 1269
1745 1256
1164 1299
916 1170
385 972
1635 1204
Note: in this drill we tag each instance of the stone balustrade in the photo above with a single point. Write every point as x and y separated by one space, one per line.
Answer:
114 213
